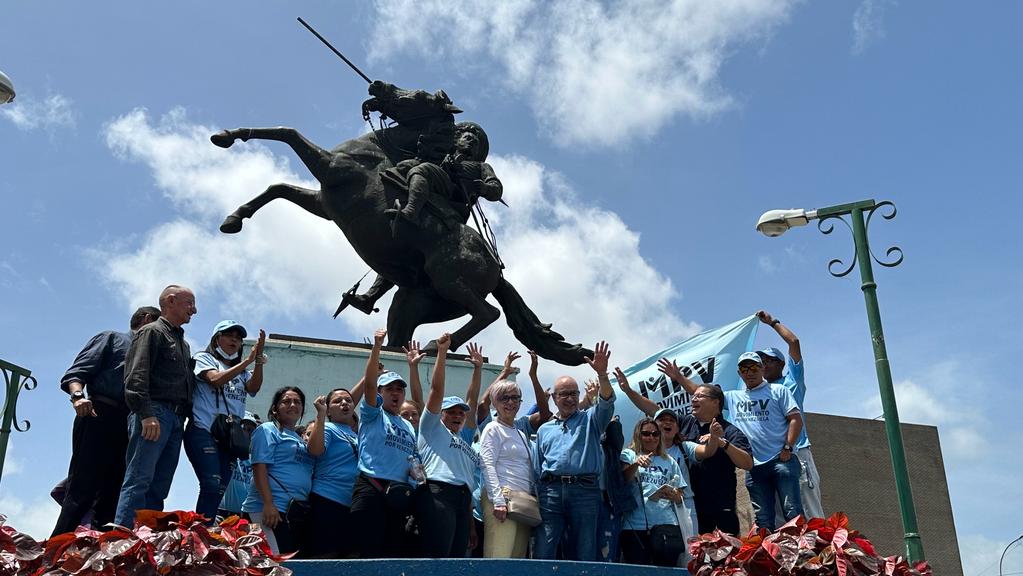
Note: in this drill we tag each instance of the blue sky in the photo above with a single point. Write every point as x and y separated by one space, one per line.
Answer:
638 144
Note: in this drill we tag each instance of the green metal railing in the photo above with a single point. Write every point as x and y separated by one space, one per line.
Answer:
16 378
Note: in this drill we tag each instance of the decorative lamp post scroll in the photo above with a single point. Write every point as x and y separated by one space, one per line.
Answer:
15 378
775 223
6 88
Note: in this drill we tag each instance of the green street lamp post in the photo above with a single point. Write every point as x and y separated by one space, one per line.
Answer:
775 223
15 378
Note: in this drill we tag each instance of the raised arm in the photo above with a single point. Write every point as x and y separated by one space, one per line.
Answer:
601 356
783 331
473 393
414 355
436 398
370 377
645 405
483 408
217 378
672 370
543 405
589 398
317 444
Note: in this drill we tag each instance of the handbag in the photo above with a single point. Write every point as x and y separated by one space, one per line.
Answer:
523 507
298 513
227 432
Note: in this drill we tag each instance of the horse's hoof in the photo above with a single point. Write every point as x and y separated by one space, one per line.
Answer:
232 225
224 140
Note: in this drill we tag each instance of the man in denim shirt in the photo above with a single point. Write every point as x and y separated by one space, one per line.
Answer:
569 462
158 391
100 434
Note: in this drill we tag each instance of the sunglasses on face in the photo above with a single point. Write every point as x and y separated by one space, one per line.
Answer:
649 434
747 368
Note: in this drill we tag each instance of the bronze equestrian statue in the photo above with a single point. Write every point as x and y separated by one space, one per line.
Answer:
443 268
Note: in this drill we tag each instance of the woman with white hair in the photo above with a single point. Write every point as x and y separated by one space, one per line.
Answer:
506 458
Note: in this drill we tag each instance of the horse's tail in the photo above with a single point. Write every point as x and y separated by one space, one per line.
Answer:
535 334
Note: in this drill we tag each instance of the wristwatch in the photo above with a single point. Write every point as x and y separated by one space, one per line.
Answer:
77 395
787 447
727 444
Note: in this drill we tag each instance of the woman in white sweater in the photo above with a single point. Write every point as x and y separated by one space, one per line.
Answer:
507 465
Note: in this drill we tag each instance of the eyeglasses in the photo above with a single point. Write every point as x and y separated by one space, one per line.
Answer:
649 434
701 396
747 368
511 399
572 394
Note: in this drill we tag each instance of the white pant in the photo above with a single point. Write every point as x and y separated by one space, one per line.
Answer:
809 488
257 518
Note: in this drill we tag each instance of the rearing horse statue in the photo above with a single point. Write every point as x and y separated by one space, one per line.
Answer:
437 281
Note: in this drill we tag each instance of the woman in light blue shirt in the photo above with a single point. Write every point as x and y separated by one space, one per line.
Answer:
222 382
651 533
335 443
282 472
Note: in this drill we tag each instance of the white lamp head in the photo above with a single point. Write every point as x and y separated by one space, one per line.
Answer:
6 89
776 222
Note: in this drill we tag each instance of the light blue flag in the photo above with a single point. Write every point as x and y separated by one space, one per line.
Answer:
709 357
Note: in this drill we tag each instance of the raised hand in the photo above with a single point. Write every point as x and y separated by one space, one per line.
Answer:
601 355
765 317
534 362
511 357
444 342
321 406
670 369
378 336
475 355
413 353
623 382
592 387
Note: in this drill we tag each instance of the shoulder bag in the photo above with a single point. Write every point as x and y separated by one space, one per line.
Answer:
227 432
523 507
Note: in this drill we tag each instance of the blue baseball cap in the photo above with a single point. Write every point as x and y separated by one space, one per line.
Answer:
225 325
389 377
773 353
454 402
751 357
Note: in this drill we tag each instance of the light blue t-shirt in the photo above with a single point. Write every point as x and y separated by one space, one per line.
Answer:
793 380
761 415
205 396
676 454
337 467
447 457
238 488
385 442
662 470
288 464
572 447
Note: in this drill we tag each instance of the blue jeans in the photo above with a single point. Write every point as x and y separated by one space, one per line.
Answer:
569 510
212 468
150 464
768 479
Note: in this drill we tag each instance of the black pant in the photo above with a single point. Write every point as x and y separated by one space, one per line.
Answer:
710 518
444 518
380 531
96 472
331 532
658 546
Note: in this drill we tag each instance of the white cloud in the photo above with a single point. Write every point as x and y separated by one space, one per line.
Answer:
936 398
766 264
35 518
575 264
980 555
51 113
868 23
597 73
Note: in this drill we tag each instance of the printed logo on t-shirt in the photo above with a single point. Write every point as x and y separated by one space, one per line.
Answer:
458 443
752 410
399 437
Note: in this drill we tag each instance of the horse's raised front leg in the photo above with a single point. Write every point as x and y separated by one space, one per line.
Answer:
307 199
316 159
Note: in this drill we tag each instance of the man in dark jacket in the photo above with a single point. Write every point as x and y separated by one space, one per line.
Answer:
158 390
95 383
